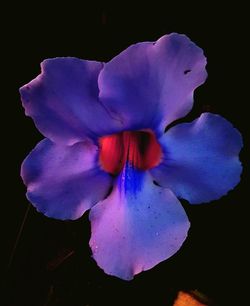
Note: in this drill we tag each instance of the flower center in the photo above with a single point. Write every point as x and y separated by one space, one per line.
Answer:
139 148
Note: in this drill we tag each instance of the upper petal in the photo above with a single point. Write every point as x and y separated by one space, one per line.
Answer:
64 181
149 85
137 226
201 161
63 101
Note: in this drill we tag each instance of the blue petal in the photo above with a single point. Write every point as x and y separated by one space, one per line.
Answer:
63 101
64 181
201 161
137 226
149 85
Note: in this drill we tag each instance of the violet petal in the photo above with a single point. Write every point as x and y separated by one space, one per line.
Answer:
137 226
63 101
151 84
201 160
64 181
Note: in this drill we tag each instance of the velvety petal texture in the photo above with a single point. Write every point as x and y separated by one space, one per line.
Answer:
201 159
151 84
137 226
63 101
64 181
105 146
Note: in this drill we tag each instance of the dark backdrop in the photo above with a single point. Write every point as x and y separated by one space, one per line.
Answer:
212 258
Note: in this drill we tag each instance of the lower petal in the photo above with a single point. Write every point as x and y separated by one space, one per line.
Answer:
137 226
201 161
64 181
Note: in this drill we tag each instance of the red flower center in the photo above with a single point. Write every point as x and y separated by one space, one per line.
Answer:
139 148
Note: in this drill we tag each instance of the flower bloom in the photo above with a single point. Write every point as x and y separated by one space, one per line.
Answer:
105 148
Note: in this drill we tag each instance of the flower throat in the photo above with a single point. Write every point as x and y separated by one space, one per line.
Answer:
139 148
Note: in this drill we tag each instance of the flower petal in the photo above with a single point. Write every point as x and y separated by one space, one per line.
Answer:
137 226
201 159
63 101
64 181
151 84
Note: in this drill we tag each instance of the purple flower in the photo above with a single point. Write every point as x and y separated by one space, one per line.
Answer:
105 147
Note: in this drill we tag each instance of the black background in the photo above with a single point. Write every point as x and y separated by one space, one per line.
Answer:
212 260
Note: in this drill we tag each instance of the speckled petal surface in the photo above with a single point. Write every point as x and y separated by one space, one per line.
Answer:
137 226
